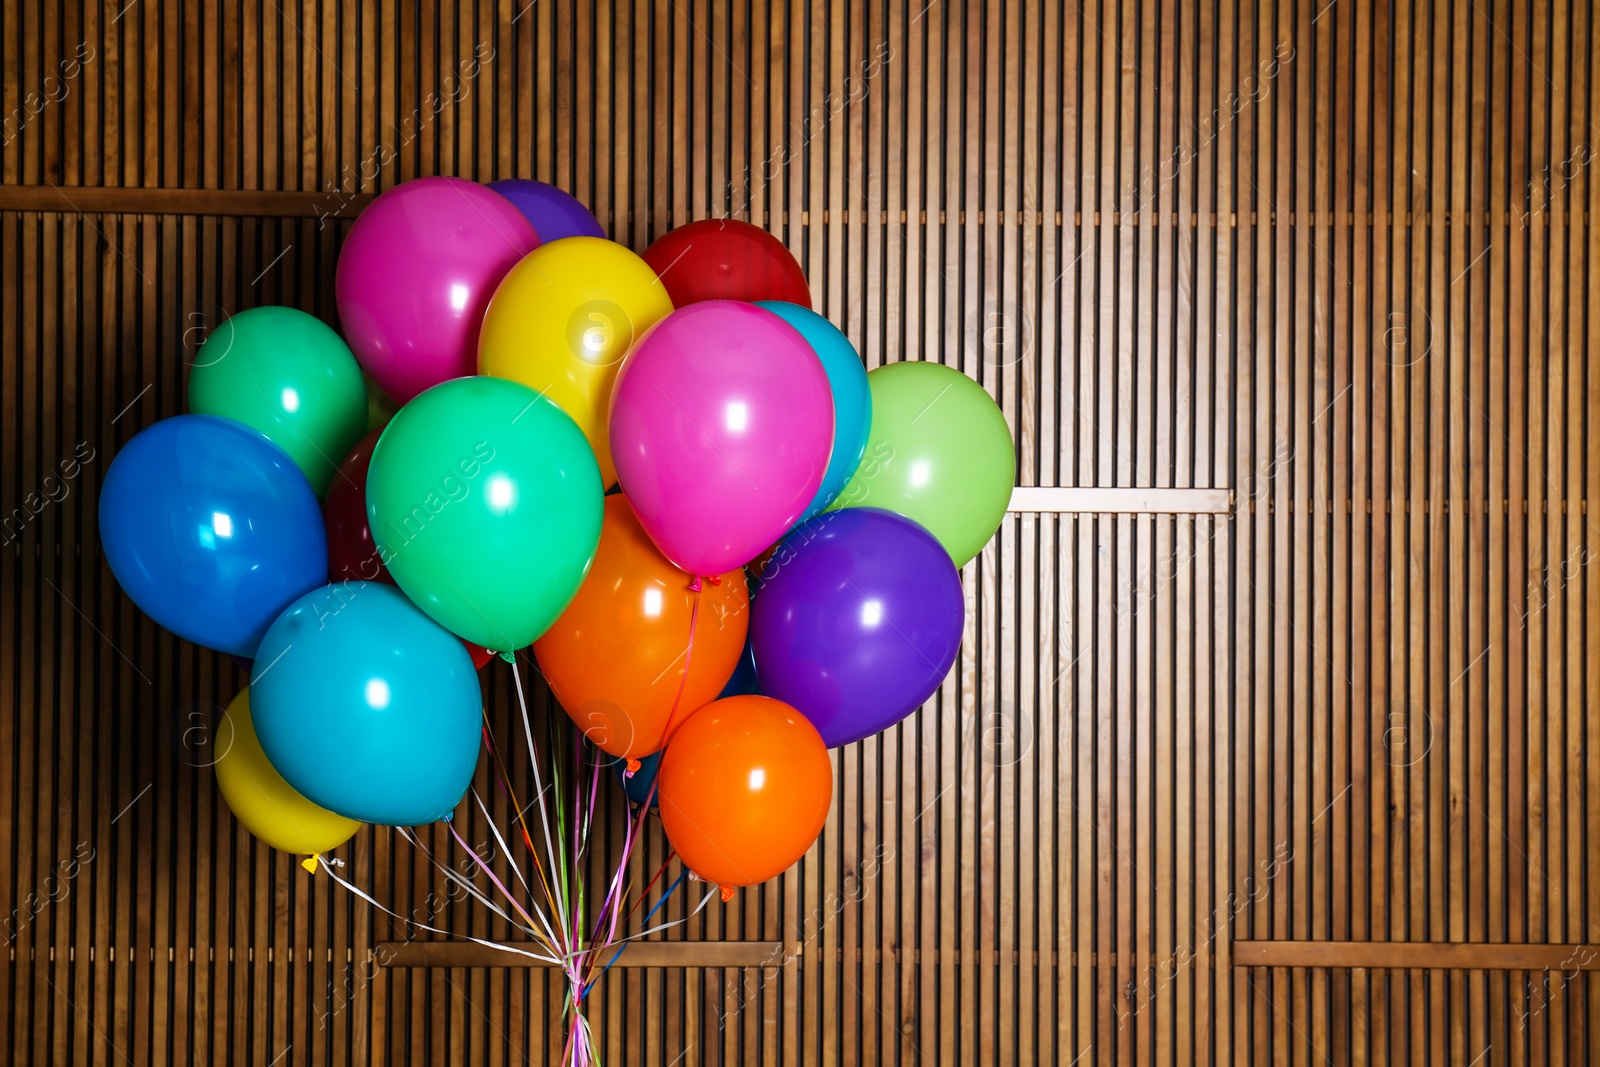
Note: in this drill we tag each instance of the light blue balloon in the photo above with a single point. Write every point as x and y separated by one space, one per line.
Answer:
366 706
852 402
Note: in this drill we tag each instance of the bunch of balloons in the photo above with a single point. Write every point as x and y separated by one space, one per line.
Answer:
729 546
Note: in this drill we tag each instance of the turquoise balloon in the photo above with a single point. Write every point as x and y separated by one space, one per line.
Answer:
366 706
852 401
485 502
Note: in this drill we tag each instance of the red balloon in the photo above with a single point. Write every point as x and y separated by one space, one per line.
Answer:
352 555
725 259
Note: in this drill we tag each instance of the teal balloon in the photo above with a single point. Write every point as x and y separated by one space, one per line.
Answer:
485 503
366 706
852 401
290 376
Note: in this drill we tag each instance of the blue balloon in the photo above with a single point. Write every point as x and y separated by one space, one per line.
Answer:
211 530
366 706
743 681
638 786
852 402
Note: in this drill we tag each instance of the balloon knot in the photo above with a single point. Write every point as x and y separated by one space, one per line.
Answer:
728 892
310 863
448 816
632 769
715 579
509 657
694 586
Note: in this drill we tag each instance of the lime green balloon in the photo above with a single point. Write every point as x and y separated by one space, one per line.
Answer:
485 503
939 452
290 376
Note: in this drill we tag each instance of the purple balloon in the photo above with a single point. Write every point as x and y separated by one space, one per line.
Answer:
858 621
553 212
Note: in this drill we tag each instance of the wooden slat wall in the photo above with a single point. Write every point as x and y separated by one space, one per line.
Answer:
1335 257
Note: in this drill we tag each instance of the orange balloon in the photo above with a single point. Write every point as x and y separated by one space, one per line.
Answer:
615 659
745 787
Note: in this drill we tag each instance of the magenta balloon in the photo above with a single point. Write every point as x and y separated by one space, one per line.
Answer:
857 620
721 427
415 275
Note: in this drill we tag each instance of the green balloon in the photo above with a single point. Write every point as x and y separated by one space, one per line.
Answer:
288 375
485 503
939 452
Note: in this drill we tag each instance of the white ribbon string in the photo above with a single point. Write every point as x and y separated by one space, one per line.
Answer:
501 946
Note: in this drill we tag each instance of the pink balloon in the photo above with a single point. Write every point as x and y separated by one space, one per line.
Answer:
415 275
721 426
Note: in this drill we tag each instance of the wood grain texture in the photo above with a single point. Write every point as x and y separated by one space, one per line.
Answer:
1275 734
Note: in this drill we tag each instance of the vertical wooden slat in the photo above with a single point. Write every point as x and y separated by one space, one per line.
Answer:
1528 439
1482 607
1590 1002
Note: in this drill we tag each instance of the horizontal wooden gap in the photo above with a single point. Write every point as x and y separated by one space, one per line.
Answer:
1362 955
1417 955
334 203
440 954
1403 505
252 203
1116 962
639 954
245 956
772 954
1120 501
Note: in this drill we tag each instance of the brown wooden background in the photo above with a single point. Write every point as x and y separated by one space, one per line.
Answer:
1336 258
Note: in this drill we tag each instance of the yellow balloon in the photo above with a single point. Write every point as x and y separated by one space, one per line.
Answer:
267 805
562 320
